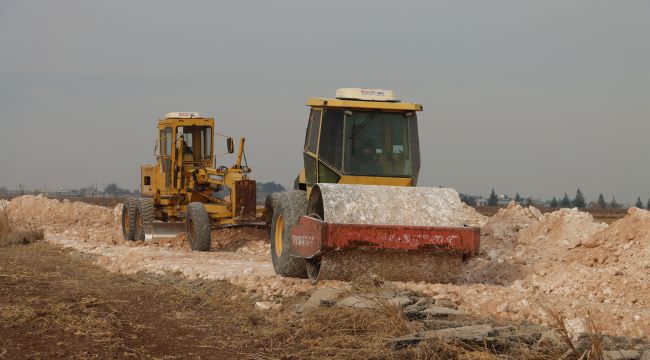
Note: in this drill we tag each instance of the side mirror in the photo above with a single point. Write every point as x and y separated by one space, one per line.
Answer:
231 145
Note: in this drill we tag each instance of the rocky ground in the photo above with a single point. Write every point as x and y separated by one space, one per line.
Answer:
559 270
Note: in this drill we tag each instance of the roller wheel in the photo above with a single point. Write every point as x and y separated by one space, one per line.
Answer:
197 226
144 214
290 206
270 203
128 218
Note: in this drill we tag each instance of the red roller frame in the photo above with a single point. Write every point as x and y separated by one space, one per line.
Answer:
311 237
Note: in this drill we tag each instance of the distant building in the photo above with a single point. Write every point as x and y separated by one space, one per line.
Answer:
91 192
65 193
504 200
479 201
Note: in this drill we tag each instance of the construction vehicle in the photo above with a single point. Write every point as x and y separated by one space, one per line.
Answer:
355 209
185 192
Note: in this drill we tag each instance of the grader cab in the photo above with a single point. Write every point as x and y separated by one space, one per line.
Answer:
185 192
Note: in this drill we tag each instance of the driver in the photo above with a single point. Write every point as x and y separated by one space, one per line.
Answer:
366 157
188 157
187 150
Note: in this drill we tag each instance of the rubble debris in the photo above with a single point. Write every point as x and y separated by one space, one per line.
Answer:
472 334
559 231
439 311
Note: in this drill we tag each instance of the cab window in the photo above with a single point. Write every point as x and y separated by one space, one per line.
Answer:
166 138
331 139
197 141
312 131
378 143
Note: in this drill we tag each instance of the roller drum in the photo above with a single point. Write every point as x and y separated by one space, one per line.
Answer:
387 205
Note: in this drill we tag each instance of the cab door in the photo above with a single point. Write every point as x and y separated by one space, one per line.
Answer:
311 148
166 146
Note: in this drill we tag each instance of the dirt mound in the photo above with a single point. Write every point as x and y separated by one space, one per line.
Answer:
631 231
244 240
619 258
179 242
60 215
83 221
558 231
500 232
565 261
473 217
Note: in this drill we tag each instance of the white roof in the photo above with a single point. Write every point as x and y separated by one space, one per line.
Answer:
365 94
182 115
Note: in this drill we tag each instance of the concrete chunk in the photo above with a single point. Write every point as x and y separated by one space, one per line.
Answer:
621 355
400 301
474 334
360 302
439 311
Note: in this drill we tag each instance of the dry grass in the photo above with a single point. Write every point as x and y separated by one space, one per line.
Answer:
362 333
559 324
6 227
596 338
587 347
337 332
12 231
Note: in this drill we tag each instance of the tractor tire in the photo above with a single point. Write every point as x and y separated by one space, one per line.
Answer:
145 214
269 205
197 226
128 218
290 206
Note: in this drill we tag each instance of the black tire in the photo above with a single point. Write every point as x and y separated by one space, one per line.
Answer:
290 206
128 218
145 214
270 204
197 226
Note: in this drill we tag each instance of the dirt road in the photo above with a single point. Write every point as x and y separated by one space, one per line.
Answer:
57 305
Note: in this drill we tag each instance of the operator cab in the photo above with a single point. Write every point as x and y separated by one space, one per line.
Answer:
362 136
196 142
185 143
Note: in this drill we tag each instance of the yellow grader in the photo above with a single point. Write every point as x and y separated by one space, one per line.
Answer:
185 191
355 208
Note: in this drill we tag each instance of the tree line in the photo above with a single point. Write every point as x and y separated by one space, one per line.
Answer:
578 201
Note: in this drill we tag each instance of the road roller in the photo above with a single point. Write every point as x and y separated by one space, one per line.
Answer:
355 208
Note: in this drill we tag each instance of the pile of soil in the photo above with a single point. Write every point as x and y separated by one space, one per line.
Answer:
559 231
563 260
245 240
473 217
83 221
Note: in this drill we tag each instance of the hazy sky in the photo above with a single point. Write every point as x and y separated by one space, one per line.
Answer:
538 97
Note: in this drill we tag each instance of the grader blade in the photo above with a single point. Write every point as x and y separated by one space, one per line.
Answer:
159 230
